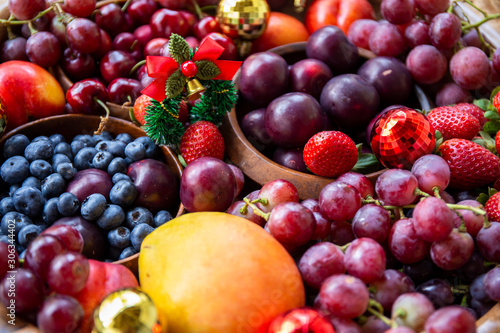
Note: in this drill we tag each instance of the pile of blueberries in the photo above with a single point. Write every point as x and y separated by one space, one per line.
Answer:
35 175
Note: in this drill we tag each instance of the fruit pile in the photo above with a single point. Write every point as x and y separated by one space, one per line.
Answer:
101 184
447 56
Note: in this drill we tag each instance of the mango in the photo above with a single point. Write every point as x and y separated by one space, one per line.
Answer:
211 272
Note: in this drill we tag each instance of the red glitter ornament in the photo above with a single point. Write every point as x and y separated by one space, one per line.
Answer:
400 136
189 69
299 321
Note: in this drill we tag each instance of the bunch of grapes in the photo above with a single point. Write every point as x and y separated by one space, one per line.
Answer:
399 252
105 44
43 289
448 56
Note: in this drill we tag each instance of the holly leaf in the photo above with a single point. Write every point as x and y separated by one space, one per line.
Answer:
175 84
207 70
482 103
492 127
179 48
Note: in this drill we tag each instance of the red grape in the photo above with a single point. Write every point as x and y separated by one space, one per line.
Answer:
397 11
432 7
492 284
40 253
339 201
452 93
235 209
43 49
488 242
405 244
387 40
433 219
359 32
451 319
69 236
365 259
60 313
68 273
454 251
445 30
426 64
372 221
14 49
319 262
392 284
276 192
359 181
24 287
470 68
473 222
413 309
291 224
341 233
80 8
431 171
323 226
26 9
417 33
344 296
396 187
495 59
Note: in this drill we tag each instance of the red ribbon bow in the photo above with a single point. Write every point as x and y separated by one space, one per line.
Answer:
160 68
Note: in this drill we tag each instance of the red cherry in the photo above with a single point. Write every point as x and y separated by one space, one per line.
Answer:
189 69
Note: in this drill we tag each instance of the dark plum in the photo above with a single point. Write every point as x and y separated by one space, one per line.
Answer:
291 158
292 119
330 45
309 76
89 181
350 101
264 76
390 77
254 128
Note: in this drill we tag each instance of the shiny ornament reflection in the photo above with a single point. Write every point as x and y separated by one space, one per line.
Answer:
299 321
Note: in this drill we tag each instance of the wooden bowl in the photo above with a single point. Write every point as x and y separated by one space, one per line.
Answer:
71 125
262 169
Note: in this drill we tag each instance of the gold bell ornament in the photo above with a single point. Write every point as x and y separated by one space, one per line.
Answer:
127 310
243 21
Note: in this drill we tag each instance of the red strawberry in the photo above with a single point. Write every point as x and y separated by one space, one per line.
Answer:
454 123
492 207
470 164
140 105
472 109
497 142
200 139
330 153
496 101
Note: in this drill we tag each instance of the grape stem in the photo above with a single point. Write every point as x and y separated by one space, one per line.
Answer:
435 190
376 309
9 21
256 210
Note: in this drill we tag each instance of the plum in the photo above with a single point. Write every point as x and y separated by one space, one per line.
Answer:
89 181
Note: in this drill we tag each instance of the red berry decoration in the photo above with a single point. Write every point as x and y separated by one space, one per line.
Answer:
201 139
189 69
330 153
300 320
400 136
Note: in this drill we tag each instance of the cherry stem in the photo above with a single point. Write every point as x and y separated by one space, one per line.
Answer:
9 21
376 309
197 9
136 66
256 210
125 6
104 119
208 8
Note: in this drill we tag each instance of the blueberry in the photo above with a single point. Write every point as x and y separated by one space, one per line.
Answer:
15 169
120 176
93 206
42 149
27 234
15 145
76 146
117 148
102 145
138 215
117 165
57 138
59 158
13 221
83 159
66 170
86 139
40 138
136 151
53 185
127 252
13 188
138 234
28 200
40 168
102 159
124 137
32 181
112 217
104 136
50 212
119 237
162 217
68 204
63 148
6 205
151 147
123 193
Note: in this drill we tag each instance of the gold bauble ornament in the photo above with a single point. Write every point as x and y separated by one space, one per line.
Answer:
127 310
243 21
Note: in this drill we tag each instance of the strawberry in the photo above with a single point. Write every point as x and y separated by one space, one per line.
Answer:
201 139
497 142
492 207
454 123
472 109
496 101
330 153
139 112
470 164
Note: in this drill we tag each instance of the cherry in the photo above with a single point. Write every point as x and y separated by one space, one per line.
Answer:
141 10
83 35
153 47
112 19
230 51
116 64
80 8
205 26
77 65
127 42
190 18
123 90
164 22
105 45
86 96
143 34
173 4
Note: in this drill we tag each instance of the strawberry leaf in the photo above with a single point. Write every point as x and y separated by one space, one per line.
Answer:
482 198
492 115
492 127
366 163
491 191
494 92
439 140
482 103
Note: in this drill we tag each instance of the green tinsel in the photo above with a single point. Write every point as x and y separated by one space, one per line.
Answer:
162 123
217 100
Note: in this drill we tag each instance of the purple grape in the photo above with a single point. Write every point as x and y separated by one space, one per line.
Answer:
319 262
426 64
365 259
387 40
392 284
445 30
452 93
451 319
397 11
417 33
470 68
417 308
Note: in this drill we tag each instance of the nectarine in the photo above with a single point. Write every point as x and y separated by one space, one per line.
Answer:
215 272
281 29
